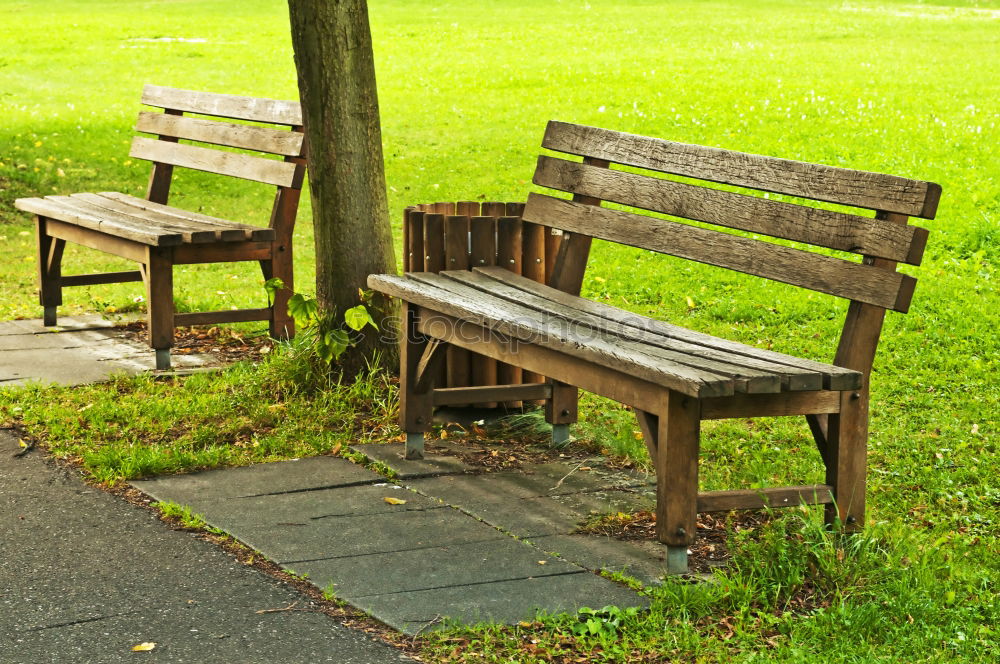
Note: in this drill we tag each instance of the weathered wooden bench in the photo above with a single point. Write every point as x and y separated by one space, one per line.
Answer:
673 377
159 236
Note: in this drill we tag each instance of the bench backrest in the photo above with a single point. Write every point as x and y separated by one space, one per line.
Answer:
593 181
171 126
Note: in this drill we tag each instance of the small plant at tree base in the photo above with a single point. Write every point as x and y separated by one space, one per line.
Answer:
330 342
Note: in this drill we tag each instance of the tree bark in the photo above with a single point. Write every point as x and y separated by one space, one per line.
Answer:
336 74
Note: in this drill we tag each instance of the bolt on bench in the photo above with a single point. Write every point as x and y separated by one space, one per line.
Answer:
673 377
158 236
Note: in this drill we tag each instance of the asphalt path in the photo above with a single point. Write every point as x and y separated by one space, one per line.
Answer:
85 577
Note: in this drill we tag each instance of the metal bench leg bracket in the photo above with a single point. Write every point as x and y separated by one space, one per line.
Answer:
677 560
162 359
48 316
560 435
415 445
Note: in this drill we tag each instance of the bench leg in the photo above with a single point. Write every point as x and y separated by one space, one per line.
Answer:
847 452
561 411
50 253
677 442
159 277
281 325
416 408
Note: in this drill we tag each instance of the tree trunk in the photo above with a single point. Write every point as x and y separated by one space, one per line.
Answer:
336 73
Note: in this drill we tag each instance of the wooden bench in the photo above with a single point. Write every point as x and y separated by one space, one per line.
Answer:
672 377
158 236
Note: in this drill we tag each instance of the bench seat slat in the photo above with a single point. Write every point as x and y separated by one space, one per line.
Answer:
258 169
825 274
791 378
250 232
235 107
95 205
745 380
824 228
72 214
263 139
863 189
494 315
835 378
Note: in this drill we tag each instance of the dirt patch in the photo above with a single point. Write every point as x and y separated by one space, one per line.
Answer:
709 551
224 343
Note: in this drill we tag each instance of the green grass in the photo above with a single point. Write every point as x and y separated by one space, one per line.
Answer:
465 88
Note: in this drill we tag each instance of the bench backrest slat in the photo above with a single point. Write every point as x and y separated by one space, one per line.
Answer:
224 106
258 169
824 274
824 228
263 139
883 240
862 189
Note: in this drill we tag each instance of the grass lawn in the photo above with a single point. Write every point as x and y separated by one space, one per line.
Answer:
908 88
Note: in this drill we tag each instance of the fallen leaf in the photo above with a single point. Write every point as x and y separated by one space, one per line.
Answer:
143 647
542 562
394 501
336 449
21 442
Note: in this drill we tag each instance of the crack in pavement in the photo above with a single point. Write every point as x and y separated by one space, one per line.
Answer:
475 583
81 621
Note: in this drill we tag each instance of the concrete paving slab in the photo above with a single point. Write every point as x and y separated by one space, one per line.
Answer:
258 480
503 601
357 578
307 507
85 576
645 561
513 502
344 536
81 350
431 465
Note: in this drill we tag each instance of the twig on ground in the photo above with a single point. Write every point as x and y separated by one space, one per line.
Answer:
436 620
290 607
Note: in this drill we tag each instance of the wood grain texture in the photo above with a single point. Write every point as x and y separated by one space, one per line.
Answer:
824 228
452 396
263 139
459 371
770 405
257 169
415 240
753 499
677 447
235 107
747 374
509 257
71 213
873 191
95 239
113 211
434 253
824 274
427 290
834 377
574 249
222 316
483 252
248 232
623 388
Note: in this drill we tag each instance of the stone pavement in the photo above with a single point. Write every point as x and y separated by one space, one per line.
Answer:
85 576
81 349
443 544
451 544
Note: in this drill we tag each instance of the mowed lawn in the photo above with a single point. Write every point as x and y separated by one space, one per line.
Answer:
466 89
